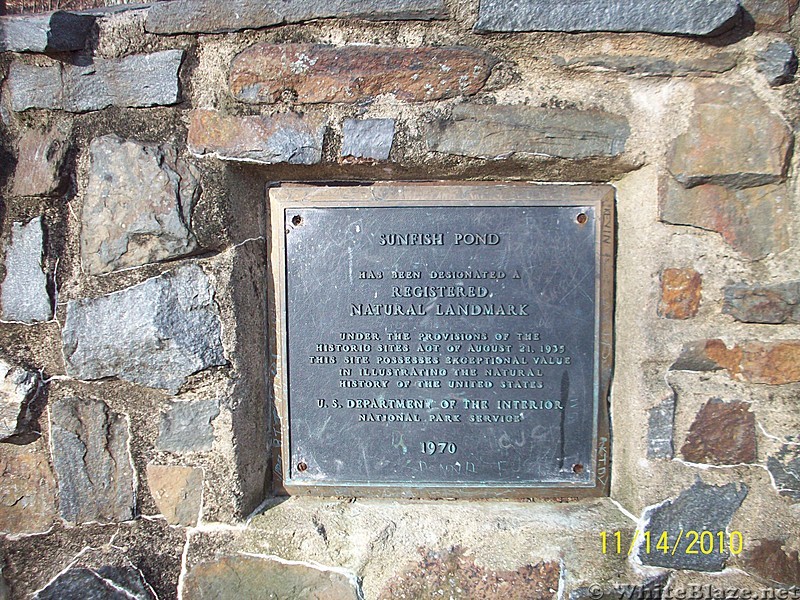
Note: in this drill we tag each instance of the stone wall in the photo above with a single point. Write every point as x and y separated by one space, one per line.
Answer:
135 417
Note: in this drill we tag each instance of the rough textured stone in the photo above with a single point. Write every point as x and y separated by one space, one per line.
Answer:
313 73
771 15
723 433
452 574
58 31
368 138
137 208
40 156
681 291
652 66
28 490
19 389
177 491
106 583
186 426
784 467
692 17
209 16
281 138
234 577
24 291
733 139
502 131
701 507
777 62
139 80
661 419
92 460
750 220
156 333
771 304
769 560
773 363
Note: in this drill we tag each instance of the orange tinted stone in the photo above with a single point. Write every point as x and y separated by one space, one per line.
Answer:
681 290
773 363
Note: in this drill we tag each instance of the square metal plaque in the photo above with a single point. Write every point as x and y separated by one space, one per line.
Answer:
436 340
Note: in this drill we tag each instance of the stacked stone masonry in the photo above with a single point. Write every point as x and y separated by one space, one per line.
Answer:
137 144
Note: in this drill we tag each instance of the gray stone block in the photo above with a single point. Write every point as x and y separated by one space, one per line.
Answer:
784 467
18 389
186 426
661 419
24 291
689 17
700 508
368 138
137 208
777 62
106 583
156 333
652 66
58 31
136 81
771 304
91 457
502 131
211 16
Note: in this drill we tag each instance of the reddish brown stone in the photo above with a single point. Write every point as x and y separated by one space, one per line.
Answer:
723 433
282 138
40 157
770 561
773 363
771 15
310 73
681 290
28 490
454 575
751 220
733 139
177 492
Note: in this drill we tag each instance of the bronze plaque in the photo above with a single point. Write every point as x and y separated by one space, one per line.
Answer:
443 341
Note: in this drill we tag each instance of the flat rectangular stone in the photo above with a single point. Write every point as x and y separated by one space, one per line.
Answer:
368 138
212 16
281 138
140 80
689 17
652 66
91 456
312 73
500 131
24 290
58 31
425 331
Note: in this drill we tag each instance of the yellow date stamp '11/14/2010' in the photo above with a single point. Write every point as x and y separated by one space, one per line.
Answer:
686 542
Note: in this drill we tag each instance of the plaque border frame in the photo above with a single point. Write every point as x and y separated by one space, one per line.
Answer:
439 194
